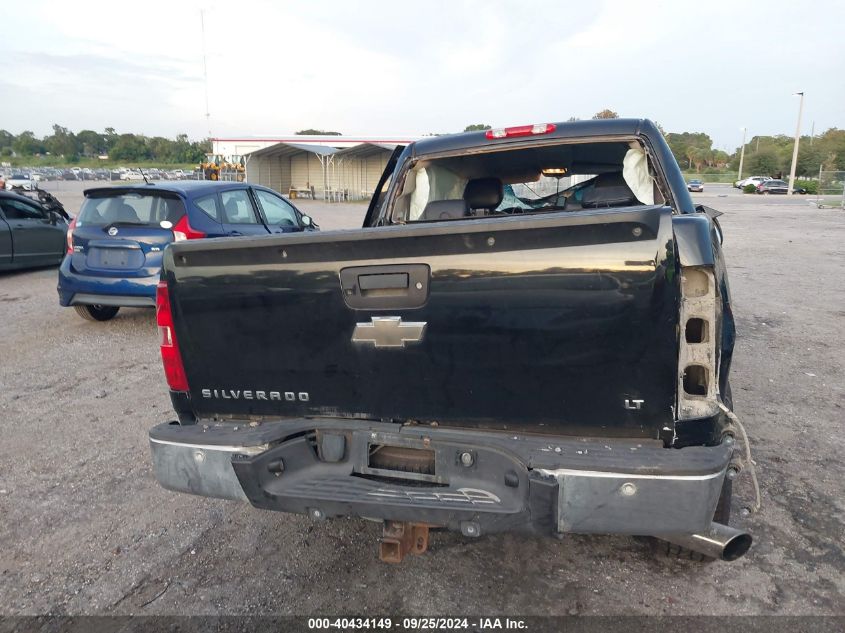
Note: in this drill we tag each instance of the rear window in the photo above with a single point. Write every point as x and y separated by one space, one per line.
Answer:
503 181
130 208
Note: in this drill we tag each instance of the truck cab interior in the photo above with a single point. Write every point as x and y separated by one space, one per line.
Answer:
527 180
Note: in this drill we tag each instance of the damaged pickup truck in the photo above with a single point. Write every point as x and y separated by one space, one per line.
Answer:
531 332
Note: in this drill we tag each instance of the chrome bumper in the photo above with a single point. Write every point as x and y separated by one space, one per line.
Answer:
515 483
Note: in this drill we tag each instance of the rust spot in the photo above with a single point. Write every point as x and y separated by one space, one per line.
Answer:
400 538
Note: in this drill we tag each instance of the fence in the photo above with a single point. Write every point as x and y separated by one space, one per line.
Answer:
729 178
831 191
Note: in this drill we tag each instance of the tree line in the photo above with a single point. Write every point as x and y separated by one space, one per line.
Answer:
694 151
72 146
764 155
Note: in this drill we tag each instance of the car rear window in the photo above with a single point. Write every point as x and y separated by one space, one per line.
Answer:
130 208
502 181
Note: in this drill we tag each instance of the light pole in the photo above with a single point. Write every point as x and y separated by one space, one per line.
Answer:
741 155
795 147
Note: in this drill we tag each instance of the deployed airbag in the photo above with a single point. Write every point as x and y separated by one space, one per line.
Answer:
635 173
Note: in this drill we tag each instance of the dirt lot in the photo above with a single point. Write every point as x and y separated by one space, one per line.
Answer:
85 528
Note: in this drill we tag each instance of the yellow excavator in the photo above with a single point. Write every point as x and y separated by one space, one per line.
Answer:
216 167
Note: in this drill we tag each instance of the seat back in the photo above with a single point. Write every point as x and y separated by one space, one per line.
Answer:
445 210
609 190
484 193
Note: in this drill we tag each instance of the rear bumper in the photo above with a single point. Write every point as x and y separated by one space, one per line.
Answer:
77 289
514 482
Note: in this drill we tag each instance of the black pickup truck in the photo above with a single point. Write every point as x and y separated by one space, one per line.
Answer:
531 332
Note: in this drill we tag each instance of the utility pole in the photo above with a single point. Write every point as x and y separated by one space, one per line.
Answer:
205 72
795 147
741 155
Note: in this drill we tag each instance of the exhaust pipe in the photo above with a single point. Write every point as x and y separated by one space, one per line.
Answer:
721 542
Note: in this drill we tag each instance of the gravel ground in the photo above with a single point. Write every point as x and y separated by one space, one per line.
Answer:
86 530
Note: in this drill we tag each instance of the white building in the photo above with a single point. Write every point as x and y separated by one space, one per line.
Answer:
332 167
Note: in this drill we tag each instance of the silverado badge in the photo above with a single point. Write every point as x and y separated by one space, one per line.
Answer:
388 332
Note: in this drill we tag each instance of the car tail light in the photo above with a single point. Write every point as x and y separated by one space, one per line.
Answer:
70 228
174 370
521 130
183 231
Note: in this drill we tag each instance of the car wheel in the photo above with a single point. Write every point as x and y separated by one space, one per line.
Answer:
96 312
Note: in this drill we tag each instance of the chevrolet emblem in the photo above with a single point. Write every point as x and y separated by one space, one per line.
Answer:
388 332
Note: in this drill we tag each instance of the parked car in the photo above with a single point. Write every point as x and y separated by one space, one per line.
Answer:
478 357
751 180
777 186
30 234
695 185
21 181
115 244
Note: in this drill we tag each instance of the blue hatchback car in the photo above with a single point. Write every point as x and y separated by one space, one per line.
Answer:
115 243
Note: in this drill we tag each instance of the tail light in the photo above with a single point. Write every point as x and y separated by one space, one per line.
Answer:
521 130
183 231
698 378
174 370
70 228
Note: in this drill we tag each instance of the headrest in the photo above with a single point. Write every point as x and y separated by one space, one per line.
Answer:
608 190
125 213
484 193
444 210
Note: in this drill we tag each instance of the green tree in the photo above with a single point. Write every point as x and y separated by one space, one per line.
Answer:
689 145
27 145
62 143
6 139
111 138
130 147
161 149
831 144
765 162
92 143
185 151
476 127
606 114
809 158
317 132
719 159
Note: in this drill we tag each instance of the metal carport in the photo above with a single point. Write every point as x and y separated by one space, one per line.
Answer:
288 167
356 170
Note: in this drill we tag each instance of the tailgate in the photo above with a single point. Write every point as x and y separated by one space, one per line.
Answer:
557 323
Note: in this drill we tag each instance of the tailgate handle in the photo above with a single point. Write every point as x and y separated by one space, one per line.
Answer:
385 287
384 281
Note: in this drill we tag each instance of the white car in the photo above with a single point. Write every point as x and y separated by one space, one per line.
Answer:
751 180
24 181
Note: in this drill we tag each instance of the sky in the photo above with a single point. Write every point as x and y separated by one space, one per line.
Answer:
394 68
